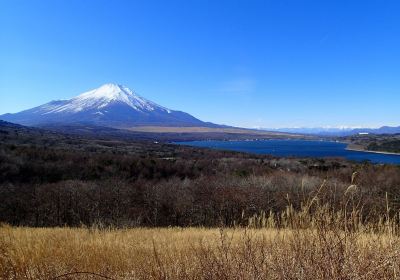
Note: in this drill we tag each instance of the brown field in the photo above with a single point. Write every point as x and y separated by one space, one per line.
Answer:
321 251
278 218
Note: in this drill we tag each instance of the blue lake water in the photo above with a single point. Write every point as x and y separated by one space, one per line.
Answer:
296 148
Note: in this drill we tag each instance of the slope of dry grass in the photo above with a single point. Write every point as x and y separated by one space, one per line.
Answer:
313 242
197 253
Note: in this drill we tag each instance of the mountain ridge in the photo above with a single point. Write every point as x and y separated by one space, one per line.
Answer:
112 105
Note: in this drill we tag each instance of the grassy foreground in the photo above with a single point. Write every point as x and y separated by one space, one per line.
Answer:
196 253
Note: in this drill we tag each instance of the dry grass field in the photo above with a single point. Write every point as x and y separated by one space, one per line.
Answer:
267 218
320 251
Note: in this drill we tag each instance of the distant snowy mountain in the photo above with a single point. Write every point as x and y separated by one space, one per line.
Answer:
323 131
109 105
337 131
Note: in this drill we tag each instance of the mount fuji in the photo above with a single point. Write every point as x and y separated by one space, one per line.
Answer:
110 105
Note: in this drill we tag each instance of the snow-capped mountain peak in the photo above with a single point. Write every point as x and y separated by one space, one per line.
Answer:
109 105
104 96
108 92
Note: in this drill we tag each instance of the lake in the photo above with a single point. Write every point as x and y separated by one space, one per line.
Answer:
296 148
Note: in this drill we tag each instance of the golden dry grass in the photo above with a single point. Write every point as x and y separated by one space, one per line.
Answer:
196 253
314 242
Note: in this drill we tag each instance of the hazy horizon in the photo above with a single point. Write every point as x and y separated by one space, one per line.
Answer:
257 64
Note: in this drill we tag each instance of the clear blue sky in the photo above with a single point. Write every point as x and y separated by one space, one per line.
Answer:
247 63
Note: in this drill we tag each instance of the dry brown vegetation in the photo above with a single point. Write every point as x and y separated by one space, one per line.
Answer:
196 253
140 210
321 245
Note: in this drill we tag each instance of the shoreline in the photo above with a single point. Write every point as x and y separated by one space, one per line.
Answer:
348 147
374 152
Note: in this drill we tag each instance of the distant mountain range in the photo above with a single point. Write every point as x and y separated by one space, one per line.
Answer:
110 105
322 131
116 106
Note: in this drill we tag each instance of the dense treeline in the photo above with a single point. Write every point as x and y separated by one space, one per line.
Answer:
392 146
79 181
376 142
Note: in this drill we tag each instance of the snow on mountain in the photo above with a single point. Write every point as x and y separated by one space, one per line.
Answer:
109 105
103 96
337 131
314 130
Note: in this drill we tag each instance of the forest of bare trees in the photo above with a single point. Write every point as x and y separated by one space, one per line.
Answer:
76 182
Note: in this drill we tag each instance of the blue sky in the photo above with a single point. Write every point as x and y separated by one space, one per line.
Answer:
246 63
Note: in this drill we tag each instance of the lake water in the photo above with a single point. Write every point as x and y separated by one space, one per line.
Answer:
296 148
